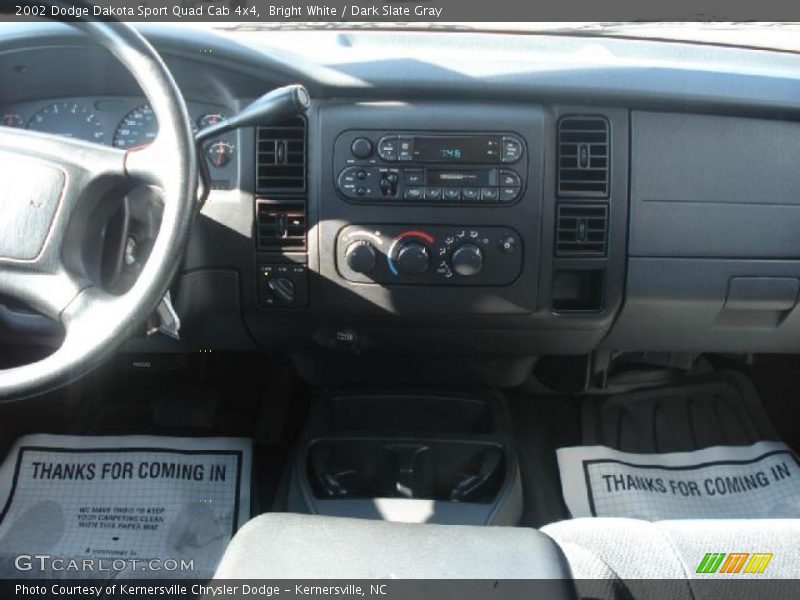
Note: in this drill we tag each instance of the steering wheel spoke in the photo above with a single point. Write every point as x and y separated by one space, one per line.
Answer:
77 158
48 292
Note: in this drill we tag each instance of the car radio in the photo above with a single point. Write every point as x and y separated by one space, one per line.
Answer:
426 168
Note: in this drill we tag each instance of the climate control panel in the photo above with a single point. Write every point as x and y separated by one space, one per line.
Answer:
429 255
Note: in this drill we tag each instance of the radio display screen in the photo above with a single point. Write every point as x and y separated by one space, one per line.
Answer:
460 177
457 149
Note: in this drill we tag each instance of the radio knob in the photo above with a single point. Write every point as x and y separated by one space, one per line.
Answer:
361 147
467 260
360 257
413 258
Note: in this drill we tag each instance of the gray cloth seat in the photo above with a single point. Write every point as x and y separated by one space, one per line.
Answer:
293 546
626 552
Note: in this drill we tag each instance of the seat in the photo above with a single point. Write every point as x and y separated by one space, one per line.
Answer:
620 554
294 546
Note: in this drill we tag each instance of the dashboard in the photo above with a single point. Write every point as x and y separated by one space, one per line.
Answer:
464 195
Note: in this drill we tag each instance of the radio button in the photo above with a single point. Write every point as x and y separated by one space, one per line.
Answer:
489 194
413 193
452 194
471 194
387 148
509 178
509 194
413 177
433 193
405 148
512 150
493 150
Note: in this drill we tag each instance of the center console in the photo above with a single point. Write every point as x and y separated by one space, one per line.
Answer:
413 457
440 215
465 229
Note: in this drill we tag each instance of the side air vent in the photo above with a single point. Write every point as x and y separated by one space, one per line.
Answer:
281 157
281 225
581 230
583 157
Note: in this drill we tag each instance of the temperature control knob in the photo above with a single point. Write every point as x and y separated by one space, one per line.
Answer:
413 258
467 260
360 257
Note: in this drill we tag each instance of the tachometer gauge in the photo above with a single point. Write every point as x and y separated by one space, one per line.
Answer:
220 153
210 119
11 120
69 119
138 128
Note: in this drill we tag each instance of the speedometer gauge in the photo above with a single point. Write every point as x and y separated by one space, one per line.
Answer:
69 119
138 128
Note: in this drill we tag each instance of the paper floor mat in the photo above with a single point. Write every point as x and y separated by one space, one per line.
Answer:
747 482
122 501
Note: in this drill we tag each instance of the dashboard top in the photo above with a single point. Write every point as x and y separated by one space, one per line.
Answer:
440 65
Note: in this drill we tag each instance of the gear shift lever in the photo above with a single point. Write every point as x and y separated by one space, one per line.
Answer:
276 105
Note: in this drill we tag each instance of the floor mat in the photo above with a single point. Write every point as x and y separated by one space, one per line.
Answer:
704 448
761 481
129 504
720 409
542 423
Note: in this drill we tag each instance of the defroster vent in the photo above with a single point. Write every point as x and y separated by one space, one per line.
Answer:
582 230
583 157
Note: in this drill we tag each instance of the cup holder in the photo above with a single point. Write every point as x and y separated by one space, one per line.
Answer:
455 471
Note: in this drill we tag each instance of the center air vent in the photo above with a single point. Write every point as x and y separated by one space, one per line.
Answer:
583 157
281 157
281 225
581 230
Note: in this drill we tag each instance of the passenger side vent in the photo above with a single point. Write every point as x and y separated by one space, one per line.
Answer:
280 225
583 157
581 230
281 157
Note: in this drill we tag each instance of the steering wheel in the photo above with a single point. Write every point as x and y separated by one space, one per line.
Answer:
46 182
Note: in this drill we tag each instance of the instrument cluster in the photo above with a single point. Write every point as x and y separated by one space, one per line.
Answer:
125 123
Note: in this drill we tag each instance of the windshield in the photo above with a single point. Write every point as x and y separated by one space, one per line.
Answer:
768 35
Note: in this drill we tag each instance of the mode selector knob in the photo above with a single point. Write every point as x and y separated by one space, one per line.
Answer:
467 260
413 258
360 257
